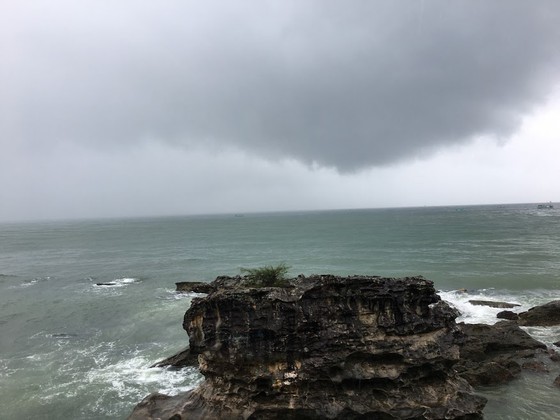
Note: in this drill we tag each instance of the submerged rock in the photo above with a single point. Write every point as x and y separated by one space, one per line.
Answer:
322 347
493 304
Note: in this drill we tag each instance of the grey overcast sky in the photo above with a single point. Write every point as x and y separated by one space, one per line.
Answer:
137 107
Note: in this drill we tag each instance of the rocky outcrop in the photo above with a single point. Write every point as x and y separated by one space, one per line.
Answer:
194 287
541 316
493 304
493 354
322 347
509 315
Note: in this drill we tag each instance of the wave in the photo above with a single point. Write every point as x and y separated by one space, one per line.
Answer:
34 281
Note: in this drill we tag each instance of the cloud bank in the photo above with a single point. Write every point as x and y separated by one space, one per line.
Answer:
348 85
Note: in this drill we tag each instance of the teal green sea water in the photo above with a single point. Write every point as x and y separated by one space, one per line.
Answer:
72 349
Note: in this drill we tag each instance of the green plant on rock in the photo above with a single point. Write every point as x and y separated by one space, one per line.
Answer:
267 276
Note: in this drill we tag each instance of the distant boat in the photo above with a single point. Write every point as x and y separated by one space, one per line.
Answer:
545 206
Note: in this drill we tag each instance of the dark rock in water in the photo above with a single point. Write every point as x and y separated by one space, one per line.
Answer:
493 304
557 344
535 366
324 347
509 315
541 316
554 355
194 287
110 283
557 381
493 354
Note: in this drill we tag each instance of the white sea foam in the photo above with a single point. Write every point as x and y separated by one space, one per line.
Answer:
134 375
474 314
34 281
105 372
546 335
172 294
116 283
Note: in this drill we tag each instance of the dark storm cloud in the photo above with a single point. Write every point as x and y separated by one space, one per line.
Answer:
346 84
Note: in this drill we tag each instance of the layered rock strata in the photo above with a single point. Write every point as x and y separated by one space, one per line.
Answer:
323 347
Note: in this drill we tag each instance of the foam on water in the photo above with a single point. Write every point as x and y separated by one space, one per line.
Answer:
102 378
133 373
475 314
120 282
34 281
172 294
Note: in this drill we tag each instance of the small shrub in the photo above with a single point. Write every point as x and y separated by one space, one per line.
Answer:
267 276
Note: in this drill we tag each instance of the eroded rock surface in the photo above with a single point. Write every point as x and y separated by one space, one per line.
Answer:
323 347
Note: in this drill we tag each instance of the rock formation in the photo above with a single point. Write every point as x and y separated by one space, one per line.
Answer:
493 304
493 354
322 347
541 316
193 287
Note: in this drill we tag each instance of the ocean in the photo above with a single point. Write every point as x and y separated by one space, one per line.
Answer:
72 349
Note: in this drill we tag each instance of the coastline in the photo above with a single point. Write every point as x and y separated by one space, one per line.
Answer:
518 352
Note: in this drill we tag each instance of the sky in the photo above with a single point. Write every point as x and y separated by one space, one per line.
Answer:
143 108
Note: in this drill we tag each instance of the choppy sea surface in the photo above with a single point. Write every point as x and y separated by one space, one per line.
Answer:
70 348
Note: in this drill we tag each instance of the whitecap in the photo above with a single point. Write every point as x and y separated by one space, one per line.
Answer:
120 282
172 294
34 281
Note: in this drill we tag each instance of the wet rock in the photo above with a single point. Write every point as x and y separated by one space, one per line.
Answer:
493 354
509 315
109 283
493 304
541 316
554 355
535 366
194 287
323 347
179 360
557 381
